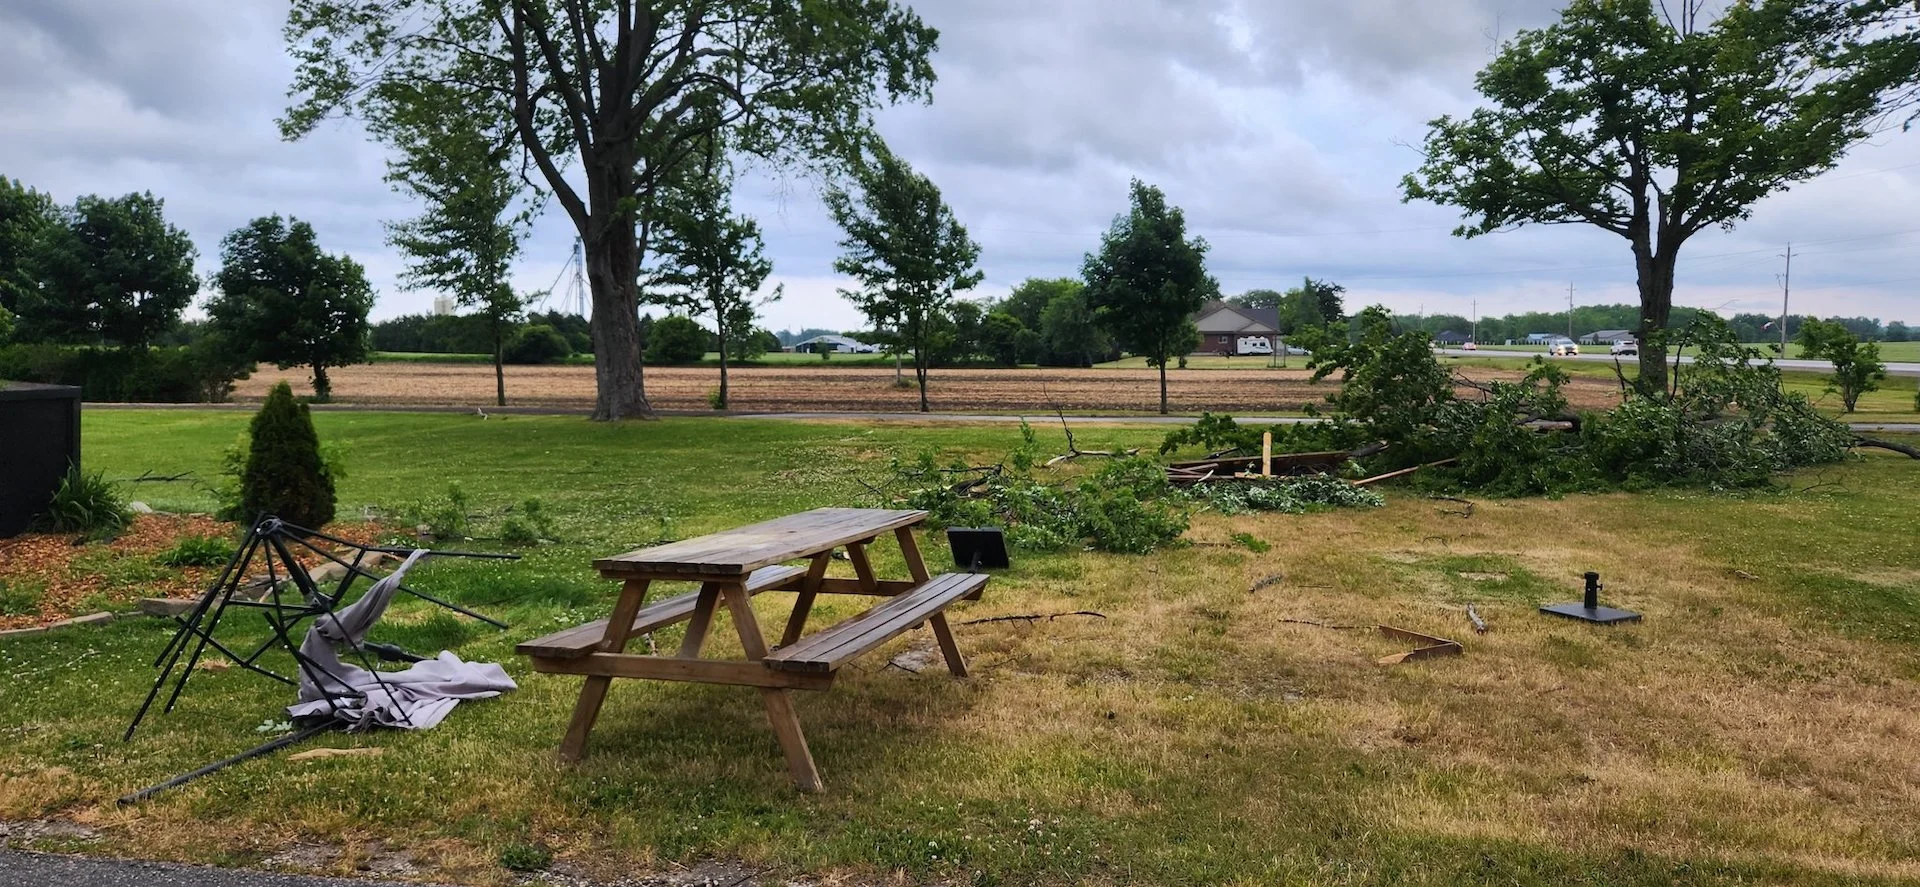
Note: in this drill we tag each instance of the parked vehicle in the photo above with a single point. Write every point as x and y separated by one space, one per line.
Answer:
1255 345
1563 347
1627 347
1470 347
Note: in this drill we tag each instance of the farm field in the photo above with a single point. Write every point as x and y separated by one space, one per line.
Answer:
856 389
1756 728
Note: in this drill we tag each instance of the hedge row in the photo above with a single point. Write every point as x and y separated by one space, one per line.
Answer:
201 373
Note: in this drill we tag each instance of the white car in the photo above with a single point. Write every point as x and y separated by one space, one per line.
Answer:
1626 346
1563 348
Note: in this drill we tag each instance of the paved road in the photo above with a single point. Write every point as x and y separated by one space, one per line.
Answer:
41 870
1818 366
935 418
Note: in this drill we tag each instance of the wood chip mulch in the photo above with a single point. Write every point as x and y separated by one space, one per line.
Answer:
73 571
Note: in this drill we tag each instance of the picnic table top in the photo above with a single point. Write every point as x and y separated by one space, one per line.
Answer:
742 550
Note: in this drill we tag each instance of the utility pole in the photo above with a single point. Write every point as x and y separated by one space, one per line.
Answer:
1569 311
1786 288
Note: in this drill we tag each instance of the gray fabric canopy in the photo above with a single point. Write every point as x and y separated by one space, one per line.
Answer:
414 699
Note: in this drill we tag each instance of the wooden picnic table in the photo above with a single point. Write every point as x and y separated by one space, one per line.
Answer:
733 566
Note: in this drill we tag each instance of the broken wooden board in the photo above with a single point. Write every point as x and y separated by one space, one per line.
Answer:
320 754
1425 646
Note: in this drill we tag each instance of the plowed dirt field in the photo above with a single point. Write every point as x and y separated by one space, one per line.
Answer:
860 389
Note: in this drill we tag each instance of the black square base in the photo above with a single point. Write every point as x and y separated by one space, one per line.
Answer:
1579 610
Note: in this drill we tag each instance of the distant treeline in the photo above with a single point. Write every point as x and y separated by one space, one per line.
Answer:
1588 319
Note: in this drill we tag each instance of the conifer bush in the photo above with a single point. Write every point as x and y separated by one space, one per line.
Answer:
285 474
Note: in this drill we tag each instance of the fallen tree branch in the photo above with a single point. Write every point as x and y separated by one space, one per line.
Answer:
1473 616
1900 448
1034 617
1402 472
1073 449
1268 582
1466 513
1322 624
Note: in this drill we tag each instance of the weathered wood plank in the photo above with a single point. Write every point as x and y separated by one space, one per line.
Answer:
833 647
741 550
673 668
583 639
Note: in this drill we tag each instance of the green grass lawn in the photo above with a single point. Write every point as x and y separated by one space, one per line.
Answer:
1757 728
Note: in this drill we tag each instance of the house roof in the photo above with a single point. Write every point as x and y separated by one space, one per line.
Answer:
1612 334
1219 318
1450 336
832 340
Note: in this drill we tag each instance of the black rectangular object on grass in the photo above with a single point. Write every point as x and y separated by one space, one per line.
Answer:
39 440
977 548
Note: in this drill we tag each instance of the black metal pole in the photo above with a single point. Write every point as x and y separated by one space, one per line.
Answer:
1593 591
185 778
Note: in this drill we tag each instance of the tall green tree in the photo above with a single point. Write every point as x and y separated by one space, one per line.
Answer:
24 215
1857 368
1032 296
468 233
710 259
1069 331
1257 298
603 96
1148 280
907 250
287 302
109 271
1659 122
1327 301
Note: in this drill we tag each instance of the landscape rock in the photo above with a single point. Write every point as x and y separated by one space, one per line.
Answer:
166 606
139 507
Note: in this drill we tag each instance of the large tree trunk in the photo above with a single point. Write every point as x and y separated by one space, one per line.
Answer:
1163 386
499 366
613 269
920 375
723 368
322 386
1654 272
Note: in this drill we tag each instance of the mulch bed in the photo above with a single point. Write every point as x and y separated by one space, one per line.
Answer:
74 572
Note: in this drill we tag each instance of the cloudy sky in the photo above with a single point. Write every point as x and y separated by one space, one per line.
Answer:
1282 127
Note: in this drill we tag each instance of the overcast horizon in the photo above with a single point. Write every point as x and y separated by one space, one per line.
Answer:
1281 128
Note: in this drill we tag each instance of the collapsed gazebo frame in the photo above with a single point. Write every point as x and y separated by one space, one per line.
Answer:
288 595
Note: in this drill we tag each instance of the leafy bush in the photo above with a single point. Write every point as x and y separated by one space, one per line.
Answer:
1726 423
285 475
1291 495
1125 506
196 551
442 518
86 503
676 339
536 343
530 526
202 372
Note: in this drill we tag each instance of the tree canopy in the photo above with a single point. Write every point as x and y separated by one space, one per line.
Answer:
108 270
709 260
1148 280
290 303
906 248
603 97
1654 123
24 215
468 232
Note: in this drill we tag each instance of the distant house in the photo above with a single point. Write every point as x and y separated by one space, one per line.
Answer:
1224 328
836 344
1606 337
1449 337
1541 338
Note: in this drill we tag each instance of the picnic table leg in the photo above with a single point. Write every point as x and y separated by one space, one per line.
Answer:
594 693
803 602
910 549
786 724
702 620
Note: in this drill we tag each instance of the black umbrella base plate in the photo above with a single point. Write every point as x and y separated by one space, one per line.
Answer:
1579 610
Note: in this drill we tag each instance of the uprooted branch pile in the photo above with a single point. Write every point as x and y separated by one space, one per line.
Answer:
1726 423
1126 505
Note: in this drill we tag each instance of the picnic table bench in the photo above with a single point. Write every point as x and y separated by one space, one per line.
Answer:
734 566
